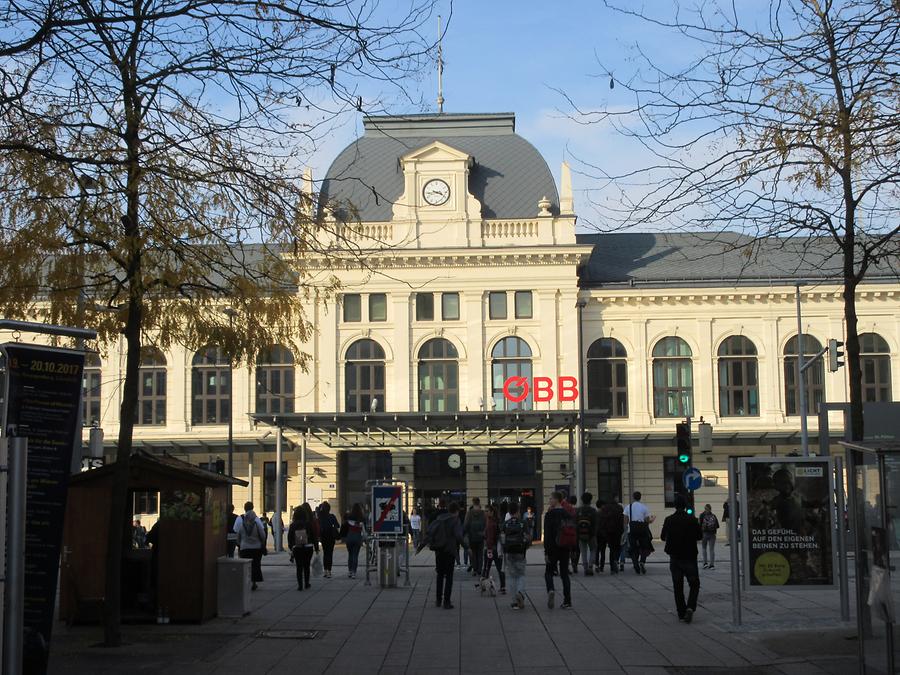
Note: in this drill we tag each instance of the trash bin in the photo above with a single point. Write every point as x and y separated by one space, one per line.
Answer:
233 587
388 564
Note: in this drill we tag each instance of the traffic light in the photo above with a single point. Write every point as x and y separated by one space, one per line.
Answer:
220 466
835 355
683 443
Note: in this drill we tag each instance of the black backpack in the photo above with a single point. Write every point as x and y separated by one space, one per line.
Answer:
585 525
514 539
438 537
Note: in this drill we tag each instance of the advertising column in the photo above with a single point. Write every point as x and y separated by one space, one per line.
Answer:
789 522
43 393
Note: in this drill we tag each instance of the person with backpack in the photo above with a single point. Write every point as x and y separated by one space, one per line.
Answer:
681 532
586 519
443 536
611 528
302 540
570 504
230 532
473 535
638 519
353 530
560 538
515 538
493 553
709 524
251 541
329 530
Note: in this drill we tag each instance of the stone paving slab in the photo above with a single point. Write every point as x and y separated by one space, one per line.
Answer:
622 624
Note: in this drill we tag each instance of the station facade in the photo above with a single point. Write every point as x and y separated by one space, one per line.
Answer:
473 270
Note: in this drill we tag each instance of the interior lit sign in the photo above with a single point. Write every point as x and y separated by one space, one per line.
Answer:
517 389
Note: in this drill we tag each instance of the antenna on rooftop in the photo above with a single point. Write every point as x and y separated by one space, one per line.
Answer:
440 65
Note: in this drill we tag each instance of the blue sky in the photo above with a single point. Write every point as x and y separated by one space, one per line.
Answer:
505 56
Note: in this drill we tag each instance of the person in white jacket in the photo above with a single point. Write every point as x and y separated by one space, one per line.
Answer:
251 539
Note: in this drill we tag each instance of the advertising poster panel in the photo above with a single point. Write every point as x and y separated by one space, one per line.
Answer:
789 523
43 393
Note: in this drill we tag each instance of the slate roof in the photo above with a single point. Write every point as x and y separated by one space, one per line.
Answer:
509 176
710 258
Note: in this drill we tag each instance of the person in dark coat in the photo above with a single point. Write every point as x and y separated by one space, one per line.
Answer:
681 532
610 528
444 535
303 539
557 558
329 530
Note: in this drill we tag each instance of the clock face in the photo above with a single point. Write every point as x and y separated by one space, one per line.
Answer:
436 192
453 461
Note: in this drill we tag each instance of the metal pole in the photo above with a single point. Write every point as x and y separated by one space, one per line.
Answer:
14 607
735 544
303 469
842 539
4 489
279 489
250 475
801 379
580 478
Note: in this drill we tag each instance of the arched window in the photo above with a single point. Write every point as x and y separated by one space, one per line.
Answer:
364 377
90 390
511 357
210 386
438 376
607 377
738 379
152 396
673 378
875 360
815 375
275 381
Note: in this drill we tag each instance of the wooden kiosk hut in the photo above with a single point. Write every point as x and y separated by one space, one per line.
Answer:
178 575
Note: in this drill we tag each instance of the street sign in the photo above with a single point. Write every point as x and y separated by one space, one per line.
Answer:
387 509
692 478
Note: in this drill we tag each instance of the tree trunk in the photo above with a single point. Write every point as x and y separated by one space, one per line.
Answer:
854 370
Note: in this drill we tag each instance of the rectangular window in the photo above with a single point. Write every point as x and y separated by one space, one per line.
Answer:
672 483
146 503
523 305
450 306
377 307
269 485
497 305
424 306
609 479
352 307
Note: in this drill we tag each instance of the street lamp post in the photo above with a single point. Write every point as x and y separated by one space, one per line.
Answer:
230 313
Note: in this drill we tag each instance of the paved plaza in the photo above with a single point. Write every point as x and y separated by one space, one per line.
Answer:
621 624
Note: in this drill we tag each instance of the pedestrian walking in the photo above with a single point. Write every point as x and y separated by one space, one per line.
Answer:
531 522
473 535
251 541
353 530
415 526
303 539
559 540
681 532
515 539
611 528
638 518
493 552
587 533
726 514
231 533
570 504
329 530
444 535
267 527
709 525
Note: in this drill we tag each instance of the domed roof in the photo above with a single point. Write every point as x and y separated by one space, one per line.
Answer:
509 176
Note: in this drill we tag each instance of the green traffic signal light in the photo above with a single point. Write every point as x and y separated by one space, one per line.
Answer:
684 458
690 511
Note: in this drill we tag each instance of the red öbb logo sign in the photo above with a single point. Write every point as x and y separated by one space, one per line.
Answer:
517 389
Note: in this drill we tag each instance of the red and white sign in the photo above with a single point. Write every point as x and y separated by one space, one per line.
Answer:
517 389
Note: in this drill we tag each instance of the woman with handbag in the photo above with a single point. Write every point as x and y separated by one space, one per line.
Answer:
303 539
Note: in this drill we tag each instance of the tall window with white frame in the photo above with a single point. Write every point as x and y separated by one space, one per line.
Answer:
91 389
510 357
738 381
152 394
364 377
673 378
210 387
875 360
607 377
815 376
275 381
438 376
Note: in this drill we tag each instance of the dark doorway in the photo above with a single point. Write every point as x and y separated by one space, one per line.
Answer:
439 474
515 474
357 467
